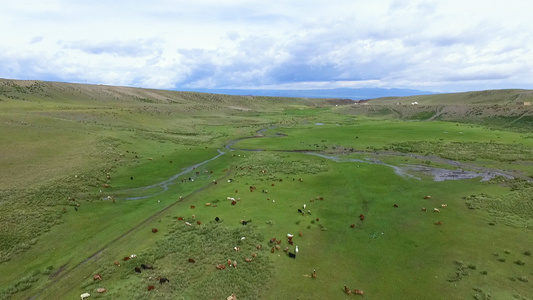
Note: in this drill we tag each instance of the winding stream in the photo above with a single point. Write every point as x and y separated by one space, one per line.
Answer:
404 170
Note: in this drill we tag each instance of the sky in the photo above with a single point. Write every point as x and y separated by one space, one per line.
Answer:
429 45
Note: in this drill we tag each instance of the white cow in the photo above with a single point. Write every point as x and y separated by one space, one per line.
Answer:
85 296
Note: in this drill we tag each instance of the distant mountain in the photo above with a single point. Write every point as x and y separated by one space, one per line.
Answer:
343 93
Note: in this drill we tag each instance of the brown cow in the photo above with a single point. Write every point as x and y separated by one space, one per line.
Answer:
151 287
220 267
424 209
314 274
235 264
180 218
300 233
272 250
438 223
101 290
191 260
347 290
395 205
246 259
427 197
126 258
352 226
254 254
97 277
259 246
154 230
359 292
192 206
116 263
198 222
229 262
361 217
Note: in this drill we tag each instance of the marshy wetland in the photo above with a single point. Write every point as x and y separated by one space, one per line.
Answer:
89 171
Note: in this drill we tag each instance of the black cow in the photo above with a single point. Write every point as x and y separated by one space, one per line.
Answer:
299 210
137 270
163 280
147 267
292 255
217 219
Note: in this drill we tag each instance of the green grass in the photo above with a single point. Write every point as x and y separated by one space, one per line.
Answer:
60 142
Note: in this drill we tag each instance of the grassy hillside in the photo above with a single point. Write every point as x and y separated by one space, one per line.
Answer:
89 171
490 97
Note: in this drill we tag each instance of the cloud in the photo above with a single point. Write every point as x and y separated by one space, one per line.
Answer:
442 45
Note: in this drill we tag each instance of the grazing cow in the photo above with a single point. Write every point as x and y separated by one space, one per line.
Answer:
85 296
438 223
106 185
361 217
137 269
220 267
359 292
395 205
229 262
208 204
291 242
278 247
296 250
292 255
147 267
191 260
217 219
233 202
188 224
97 277
278 242
235 264
163 280
193 216
126 258
444 205
300 211
192 206
198 222
314 274
246 259
101 290
151 287
300 233
237 248
352 226
133 256
317 219
116 263
272 250
347 290
427 197
244 222
305 206
180 218
424 209
259 246
286 249
254 254
154 230
436 210
232 297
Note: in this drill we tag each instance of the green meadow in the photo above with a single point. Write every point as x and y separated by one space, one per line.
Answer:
89 171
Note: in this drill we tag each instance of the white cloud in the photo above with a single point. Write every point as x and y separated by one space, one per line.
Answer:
449 45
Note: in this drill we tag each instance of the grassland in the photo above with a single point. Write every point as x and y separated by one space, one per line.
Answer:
65 148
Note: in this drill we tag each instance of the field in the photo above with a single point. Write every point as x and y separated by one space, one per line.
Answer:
89 171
